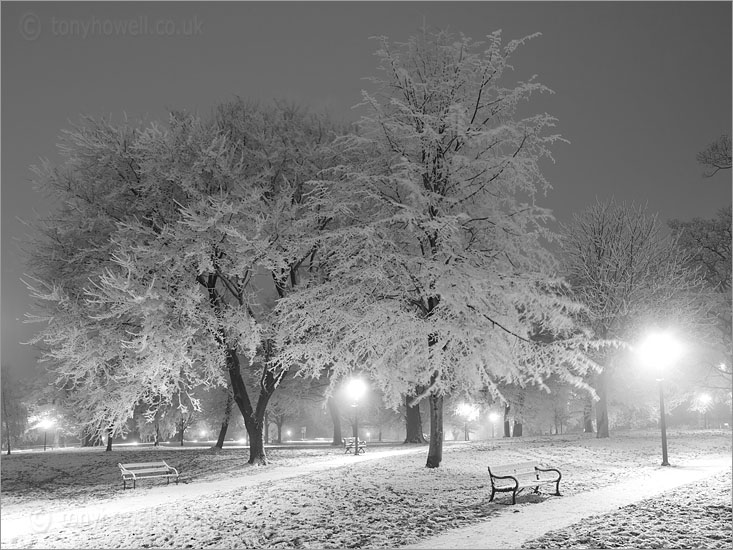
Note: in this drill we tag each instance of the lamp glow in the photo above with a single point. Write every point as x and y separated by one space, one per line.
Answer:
660 349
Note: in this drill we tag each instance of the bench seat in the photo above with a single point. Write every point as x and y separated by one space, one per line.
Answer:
145 470
349 445
514 478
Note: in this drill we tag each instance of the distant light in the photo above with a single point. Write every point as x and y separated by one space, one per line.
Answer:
494 417
289 432
705 398
46 423
468 410
242 441
202 433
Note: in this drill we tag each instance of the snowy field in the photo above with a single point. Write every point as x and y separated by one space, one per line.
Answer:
321 498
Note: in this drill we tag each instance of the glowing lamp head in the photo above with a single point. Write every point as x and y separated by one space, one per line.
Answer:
356 388
467 410
46 423
494 417
659 349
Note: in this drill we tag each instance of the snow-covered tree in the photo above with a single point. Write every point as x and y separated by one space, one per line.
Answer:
172 297
436 274
708 245
102 367
630 277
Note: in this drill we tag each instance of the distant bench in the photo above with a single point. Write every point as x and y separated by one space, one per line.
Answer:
349 445
146 470
513 478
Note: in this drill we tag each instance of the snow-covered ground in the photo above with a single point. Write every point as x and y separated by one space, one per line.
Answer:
387 498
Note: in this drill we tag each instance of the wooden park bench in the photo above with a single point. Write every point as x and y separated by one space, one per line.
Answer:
145 470
516 477
349 445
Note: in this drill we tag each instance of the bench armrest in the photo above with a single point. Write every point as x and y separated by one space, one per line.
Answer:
559 475
494 476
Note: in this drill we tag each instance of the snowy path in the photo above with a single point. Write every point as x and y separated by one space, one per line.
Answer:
26 519
528 521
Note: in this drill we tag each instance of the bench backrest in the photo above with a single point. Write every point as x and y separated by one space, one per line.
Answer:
514 469
136 465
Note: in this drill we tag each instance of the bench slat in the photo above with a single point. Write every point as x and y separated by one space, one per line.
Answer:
144 464
150 471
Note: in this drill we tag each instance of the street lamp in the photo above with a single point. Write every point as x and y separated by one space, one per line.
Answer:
355 389
46 424
493 418
705 400
661 349
469 412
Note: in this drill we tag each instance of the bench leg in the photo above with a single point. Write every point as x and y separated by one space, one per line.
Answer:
557 488
514 496
493 492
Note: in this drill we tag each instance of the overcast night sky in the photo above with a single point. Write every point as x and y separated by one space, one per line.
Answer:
640 88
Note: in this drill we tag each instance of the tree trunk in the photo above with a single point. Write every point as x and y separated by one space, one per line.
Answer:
157 434
435 451
413 421
253 417
267 428
380 435
517 432
183 429
6 418
507 426
279 432
336 419
225 421
86 439
602 404
588 415
109 441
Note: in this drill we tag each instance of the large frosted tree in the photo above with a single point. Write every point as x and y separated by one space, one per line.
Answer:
180 297
435 275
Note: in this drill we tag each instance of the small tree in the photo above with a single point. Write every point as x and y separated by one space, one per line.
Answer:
627 274
717 156
14 411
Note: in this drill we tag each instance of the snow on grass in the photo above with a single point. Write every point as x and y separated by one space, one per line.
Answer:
697 515
387 501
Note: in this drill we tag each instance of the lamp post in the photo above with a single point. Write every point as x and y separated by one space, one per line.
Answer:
661 349
355 389
46 424
493 418
705 400
469 412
